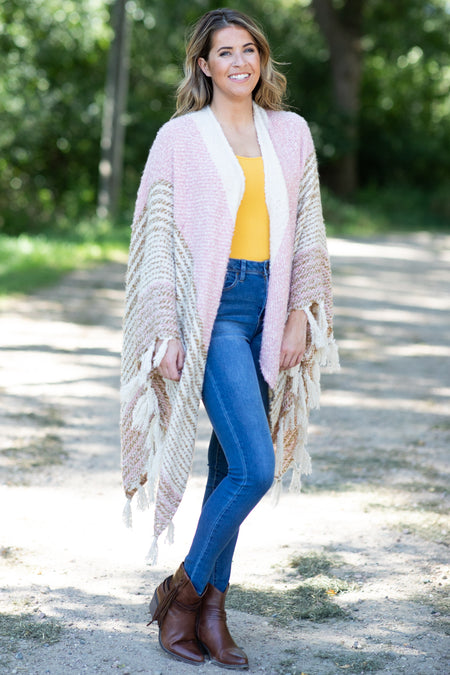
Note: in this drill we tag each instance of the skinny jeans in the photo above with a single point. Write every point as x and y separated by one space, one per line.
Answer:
241 460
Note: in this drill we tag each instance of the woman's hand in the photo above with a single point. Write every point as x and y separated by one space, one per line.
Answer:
294 339
173 361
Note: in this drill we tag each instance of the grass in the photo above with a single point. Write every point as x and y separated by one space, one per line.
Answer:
312 564
29 262
378 211
356 662
37 454
305 601
16 627
26 627
312 599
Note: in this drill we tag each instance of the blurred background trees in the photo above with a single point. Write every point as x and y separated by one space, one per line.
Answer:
386 126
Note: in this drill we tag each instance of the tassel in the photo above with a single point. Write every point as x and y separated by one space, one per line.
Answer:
147 360
129 390
142 500
152 555
160 353
322 320
276 491
126 514
313 391
305 462
144 409
296 483
170 536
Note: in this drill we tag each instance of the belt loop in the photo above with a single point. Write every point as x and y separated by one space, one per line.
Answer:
243 269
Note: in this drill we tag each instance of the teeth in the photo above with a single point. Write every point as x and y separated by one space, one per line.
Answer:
241 76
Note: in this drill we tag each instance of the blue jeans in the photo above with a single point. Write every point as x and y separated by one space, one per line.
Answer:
241 460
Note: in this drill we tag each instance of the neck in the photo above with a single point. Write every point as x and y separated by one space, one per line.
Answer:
235 114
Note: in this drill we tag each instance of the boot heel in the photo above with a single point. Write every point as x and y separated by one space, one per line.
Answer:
153 607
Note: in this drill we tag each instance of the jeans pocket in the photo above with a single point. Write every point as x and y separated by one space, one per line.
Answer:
231 279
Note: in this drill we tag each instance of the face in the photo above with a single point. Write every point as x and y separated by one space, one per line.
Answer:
233 63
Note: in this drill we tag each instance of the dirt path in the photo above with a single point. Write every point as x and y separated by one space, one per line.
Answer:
75 587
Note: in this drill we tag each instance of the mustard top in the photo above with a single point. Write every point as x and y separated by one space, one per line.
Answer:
251 239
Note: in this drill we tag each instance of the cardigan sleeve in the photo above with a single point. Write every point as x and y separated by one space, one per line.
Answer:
311 272
151 268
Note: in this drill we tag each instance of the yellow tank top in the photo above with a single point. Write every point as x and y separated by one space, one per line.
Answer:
251 239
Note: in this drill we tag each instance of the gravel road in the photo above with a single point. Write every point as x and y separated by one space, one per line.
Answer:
75 588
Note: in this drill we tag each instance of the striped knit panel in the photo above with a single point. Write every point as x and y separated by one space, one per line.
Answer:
156 310
132 441
149 314
185 395
311 274
289 135
310 284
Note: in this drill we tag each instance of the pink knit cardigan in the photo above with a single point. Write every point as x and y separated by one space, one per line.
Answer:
181 238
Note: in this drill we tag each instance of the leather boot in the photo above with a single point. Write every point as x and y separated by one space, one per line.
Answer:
213 633
175 606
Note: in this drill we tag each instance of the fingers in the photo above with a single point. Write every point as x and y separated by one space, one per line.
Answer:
290 359
173 361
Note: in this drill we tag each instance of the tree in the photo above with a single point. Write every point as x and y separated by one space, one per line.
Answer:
341 24
114 106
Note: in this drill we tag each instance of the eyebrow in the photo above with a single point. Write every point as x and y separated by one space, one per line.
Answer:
247 44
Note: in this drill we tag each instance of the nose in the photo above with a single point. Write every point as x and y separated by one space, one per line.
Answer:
238 60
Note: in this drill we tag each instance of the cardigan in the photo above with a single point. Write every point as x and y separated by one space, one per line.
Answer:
182 230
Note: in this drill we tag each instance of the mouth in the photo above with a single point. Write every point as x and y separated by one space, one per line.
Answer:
239 77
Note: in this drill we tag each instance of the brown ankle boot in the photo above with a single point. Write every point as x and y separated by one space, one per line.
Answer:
213 633
175 606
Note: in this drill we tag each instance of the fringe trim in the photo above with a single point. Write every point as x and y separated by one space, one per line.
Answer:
127 515
152 556
160 354
142 499
145 409
277 489
170 535
318 327
312 390
296 480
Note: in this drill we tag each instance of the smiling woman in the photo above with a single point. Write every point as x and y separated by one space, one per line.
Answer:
228 297
196 89
233 64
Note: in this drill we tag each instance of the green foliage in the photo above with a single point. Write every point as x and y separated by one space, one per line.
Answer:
53 56
28 262
380 210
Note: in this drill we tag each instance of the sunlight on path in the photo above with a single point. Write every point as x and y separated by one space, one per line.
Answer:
376 497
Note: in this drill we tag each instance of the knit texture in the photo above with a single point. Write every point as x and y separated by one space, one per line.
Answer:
181 238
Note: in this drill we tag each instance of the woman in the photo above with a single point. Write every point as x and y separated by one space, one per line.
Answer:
228 300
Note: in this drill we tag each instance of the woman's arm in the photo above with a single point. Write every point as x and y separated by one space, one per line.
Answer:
294 339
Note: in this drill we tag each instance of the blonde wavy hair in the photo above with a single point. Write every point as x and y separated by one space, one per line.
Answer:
195 91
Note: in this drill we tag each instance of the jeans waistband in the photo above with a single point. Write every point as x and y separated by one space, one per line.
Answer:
249 267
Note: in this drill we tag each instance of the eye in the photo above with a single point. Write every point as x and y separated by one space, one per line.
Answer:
225 53
250 49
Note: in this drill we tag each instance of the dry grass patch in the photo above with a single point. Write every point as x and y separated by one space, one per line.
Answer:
311 601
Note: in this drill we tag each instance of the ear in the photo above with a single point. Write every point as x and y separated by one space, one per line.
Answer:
204 66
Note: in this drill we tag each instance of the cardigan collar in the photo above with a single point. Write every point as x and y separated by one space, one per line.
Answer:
232 176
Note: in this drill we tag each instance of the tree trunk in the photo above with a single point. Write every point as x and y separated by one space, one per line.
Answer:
342 30
113 125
